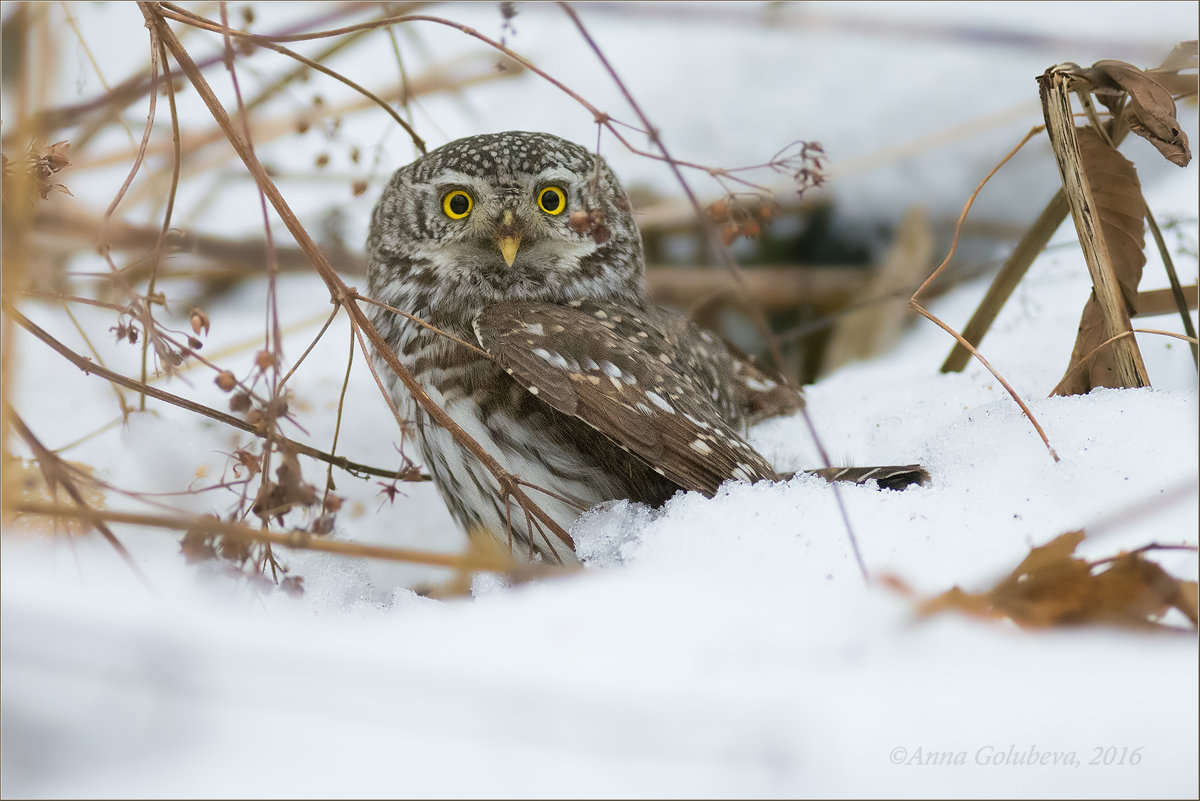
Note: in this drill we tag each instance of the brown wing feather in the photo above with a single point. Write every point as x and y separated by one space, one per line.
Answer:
622 372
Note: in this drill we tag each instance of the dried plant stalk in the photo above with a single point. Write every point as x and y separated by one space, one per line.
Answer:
1014 269
1130 371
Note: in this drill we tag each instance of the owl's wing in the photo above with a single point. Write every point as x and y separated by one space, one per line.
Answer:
611 367
762 393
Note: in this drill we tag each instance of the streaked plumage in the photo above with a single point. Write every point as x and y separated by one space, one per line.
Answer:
590 392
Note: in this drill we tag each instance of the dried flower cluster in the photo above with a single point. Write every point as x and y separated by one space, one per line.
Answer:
41 163
741 215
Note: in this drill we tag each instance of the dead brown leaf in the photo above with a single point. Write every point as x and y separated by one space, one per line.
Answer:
1121 210
1151 109
1053 587
1184 56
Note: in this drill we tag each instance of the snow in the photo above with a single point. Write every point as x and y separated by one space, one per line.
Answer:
723 647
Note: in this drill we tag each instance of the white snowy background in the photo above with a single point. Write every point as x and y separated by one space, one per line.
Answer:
723 647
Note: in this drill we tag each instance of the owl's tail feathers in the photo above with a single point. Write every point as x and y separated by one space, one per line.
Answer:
896 477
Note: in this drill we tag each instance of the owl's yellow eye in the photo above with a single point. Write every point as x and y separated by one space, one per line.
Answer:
457 204
552 200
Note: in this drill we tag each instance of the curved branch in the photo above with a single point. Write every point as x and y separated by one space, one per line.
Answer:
340 293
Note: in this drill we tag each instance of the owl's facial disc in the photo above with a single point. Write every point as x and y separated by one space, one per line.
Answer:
508 237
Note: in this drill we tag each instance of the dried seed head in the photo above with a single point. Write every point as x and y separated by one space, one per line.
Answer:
750 228
226 381
718 210
359 188
264 359
194 343
729 232
55 157
248 461
256 418
200 322
322 161
240 402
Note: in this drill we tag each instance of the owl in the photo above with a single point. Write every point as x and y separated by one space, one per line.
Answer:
525 245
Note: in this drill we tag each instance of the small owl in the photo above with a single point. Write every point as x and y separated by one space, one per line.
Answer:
525 245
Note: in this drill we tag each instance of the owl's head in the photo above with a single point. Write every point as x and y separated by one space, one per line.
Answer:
507 216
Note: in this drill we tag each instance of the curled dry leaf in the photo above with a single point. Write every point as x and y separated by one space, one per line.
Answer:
42 162
1184 56
1053 587
1151 109
247 460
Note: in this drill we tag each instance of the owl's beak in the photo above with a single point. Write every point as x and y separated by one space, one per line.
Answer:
509 239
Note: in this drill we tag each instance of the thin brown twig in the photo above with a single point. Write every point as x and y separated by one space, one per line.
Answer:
294 538
91 368
1090 354
273 338
328 322
141 304
710 230
160 331
337 425
115 100
55 475
160 244
188 18
354 295
66 307
916 306
95 65
1181 303
600 116
1154 546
